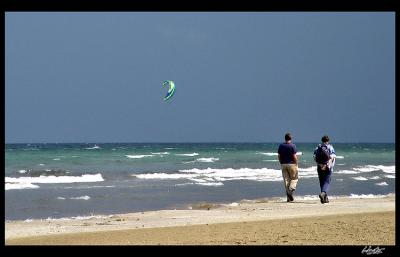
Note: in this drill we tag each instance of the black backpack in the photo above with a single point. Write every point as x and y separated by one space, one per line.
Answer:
322 154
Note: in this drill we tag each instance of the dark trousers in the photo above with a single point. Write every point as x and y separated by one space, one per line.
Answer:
324 177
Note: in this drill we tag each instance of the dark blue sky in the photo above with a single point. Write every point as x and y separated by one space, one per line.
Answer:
240 77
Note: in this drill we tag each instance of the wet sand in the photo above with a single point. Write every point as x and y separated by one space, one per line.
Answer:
343 221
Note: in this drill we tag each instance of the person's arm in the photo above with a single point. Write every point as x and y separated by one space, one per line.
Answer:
295 159
279 155
315 153
294 154
333 155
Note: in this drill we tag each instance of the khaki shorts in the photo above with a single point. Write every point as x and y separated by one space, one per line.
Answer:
291 170
290 176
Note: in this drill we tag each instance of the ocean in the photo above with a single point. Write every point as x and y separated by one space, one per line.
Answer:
52 181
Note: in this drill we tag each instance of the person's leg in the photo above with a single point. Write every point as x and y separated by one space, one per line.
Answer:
291 181
294 178
326 183
286 180
285 175
321 178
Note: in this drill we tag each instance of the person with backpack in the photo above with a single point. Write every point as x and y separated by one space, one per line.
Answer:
288 160
324 156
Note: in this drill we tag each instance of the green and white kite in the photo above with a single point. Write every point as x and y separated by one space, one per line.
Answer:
171 89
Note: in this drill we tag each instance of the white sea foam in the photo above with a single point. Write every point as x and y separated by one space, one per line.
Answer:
310 172
202 180
347 172
56 159
216 177
61 198
161 153
263 174
94 147
270 160
207 159
99 186
315 197
41 164
25 185
387 169
276 154
269 154
365 169
309 169
80 218
22 171
187 154
390 176
189 162
309 197
369 168
164 176
339 179
332 197
210 183
56 179
85 197
360 178
184 184
139 156
339 157
86 187
367 196
28 220
382 184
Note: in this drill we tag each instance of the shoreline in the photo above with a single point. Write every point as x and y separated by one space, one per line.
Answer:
350 220
207 205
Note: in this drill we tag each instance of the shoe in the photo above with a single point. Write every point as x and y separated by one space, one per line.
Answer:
289 198
326 198
290 195
322 196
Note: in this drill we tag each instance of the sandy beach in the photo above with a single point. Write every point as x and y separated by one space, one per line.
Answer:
343 221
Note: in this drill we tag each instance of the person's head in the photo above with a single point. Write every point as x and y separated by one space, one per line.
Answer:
325 139
288 137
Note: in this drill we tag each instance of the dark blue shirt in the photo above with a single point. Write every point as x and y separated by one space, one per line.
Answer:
286 152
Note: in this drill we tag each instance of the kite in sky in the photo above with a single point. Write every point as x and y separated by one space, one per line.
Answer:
171 89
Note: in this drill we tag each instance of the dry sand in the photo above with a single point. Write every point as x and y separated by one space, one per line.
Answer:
343 221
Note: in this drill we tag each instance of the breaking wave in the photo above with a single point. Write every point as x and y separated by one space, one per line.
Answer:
29 182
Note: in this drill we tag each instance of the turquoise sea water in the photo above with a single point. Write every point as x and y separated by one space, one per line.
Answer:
69 180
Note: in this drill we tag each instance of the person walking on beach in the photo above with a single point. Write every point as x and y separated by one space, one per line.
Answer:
324 156
288 160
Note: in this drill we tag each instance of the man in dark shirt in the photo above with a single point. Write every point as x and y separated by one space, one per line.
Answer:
288 160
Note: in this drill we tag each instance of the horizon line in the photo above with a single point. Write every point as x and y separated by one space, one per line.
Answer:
203 142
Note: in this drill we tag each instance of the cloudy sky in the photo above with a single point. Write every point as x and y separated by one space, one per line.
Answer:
240 77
